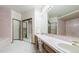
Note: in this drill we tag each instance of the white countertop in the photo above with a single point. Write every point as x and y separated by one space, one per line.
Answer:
52 41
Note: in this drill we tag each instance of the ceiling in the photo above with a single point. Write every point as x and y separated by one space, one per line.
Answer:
60 10
55 11
21 8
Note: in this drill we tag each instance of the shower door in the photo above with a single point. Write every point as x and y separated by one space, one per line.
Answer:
16 28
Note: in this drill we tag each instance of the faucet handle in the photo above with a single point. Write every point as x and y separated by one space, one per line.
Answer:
75 43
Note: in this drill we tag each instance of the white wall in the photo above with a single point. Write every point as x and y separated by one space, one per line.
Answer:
44 19
28 14
37 21
44 23
15 15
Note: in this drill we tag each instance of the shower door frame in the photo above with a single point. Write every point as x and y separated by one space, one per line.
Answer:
13 29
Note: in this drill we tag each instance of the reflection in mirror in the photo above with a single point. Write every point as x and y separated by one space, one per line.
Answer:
64 20
52 26
52 23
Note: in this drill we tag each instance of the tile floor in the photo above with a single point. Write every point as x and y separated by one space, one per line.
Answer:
27 39
20 47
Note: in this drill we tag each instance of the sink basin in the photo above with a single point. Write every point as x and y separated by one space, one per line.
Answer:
68 48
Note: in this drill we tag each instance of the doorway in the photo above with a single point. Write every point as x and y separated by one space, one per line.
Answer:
24 30
27 30
15 29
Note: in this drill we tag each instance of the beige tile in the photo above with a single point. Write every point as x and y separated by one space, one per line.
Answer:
20 47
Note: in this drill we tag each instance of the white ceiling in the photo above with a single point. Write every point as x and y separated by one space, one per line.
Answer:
21 8
60 10
56 11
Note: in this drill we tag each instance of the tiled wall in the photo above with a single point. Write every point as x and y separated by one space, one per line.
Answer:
61 27
72 27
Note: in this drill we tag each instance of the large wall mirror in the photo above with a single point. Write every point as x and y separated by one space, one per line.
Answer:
63 20
52 21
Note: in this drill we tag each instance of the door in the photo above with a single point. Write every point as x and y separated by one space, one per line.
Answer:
25 29
16 25
29 29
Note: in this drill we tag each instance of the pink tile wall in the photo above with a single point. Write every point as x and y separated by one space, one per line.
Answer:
5 23
61 27
72 27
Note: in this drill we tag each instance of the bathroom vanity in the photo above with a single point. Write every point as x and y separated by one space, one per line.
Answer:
56 44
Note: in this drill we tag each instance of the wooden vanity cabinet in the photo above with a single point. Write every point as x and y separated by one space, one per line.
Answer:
48 49
43 47
36 42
